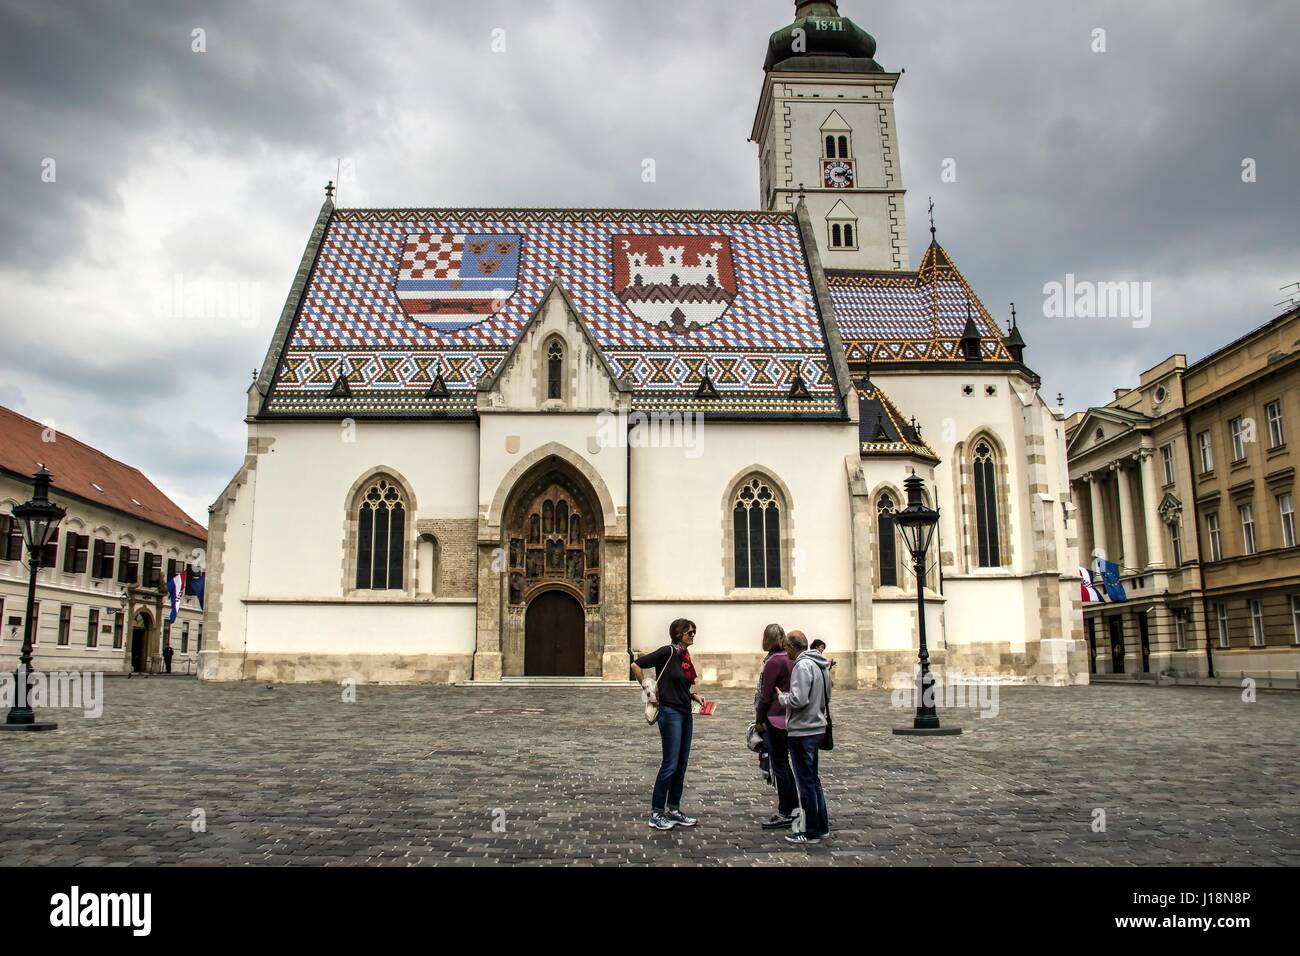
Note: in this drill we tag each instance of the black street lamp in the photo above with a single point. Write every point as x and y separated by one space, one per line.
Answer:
916 523
40 518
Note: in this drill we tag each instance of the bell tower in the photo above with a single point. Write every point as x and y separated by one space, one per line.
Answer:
825 130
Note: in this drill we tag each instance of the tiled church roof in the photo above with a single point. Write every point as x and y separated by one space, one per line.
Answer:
882 429
414 307
911 316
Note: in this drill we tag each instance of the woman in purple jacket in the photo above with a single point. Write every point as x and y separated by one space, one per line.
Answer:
769 718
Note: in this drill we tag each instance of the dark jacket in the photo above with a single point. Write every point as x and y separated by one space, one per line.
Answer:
776 676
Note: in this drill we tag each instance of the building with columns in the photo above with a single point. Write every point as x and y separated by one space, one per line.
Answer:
497 444
1188 484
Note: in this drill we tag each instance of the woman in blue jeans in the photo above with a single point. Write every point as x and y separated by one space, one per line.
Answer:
675 675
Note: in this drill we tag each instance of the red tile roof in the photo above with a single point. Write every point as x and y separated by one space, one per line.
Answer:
89 474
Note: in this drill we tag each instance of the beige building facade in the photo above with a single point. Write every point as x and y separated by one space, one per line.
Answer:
102 601
1186 482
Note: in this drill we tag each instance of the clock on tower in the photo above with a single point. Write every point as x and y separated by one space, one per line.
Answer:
837 173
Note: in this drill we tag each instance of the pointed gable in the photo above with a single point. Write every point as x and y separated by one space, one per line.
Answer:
835 124
913 316
522 381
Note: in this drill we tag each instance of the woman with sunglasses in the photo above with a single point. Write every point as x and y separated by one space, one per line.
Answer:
675 676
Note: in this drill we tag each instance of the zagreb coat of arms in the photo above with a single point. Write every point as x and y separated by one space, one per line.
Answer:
675 283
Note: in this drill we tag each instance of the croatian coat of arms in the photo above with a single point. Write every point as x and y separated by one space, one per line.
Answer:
451 280
675 283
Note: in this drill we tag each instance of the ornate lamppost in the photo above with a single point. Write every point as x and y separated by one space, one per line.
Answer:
916 523
40 518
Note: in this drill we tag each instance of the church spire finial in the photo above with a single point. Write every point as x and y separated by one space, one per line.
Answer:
934 233
329 190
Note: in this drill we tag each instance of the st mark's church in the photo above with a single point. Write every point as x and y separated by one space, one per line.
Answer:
506 443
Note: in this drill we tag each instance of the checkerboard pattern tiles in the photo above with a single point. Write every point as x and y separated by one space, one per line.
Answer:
432 259
352 323
912 316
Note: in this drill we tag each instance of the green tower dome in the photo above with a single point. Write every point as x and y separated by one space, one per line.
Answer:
822 41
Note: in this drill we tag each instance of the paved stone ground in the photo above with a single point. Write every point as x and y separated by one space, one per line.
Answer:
292 775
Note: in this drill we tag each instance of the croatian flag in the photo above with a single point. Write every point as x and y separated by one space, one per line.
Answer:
1089 592
1108 571
176 591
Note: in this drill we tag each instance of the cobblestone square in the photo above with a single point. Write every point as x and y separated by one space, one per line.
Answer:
291 774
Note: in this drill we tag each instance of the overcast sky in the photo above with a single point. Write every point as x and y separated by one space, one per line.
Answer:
175 168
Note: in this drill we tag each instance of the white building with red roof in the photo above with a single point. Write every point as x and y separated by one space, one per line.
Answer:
102 601
493 444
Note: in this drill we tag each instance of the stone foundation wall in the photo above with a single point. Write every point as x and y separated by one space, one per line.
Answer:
1058 663
333 668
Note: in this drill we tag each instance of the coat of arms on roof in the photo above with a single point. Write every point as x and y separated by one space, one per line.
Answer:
451 280
676 283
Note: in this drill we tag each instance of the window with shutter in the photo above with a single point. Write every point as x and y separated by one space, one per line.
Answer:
11 538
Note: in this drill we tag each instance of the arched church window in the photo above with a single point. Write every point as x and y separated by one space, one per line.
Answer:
837 235
848 235
844 147
830 147
887 536
381 537
555 370
756 529
988 529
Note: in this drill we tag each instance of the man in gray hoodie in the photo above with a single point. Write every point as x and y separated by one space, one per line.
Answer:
807 709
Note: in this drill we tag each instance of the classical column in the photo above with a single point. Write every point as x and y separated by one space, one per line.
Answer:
1098 515
1151 509
1127 528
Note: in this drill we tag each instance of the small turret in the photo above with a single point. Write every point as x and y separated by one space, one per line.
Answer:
970 339
1014 342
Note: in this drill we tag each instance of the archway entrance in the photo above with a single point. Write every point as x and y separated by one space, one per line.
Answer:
552 534
554 643
140 628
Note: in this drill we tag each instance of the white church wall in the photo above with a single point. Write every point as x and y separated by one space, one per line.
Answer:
508 439
410 629
680 513
304 481
948 418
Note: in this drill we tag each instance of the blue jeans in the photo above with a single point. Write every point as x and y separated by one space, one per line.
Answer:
675 734
803 754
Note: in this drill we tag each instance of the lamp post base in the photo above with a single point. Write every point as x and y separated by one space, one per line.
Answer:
927 731
33 726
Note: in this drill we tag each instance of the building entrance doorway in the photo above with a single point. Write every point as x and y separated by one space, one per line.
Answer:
553 636
1116 645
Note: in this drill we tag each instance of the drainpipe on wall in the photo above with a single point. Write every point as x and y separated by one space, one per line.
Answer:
1196 520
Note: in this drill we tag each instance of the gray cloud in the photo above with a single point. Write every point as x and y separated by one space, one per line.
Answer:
1122 165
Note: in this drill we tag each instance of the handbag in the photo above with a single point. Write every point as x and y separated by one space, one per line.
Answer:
828 739
652 706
